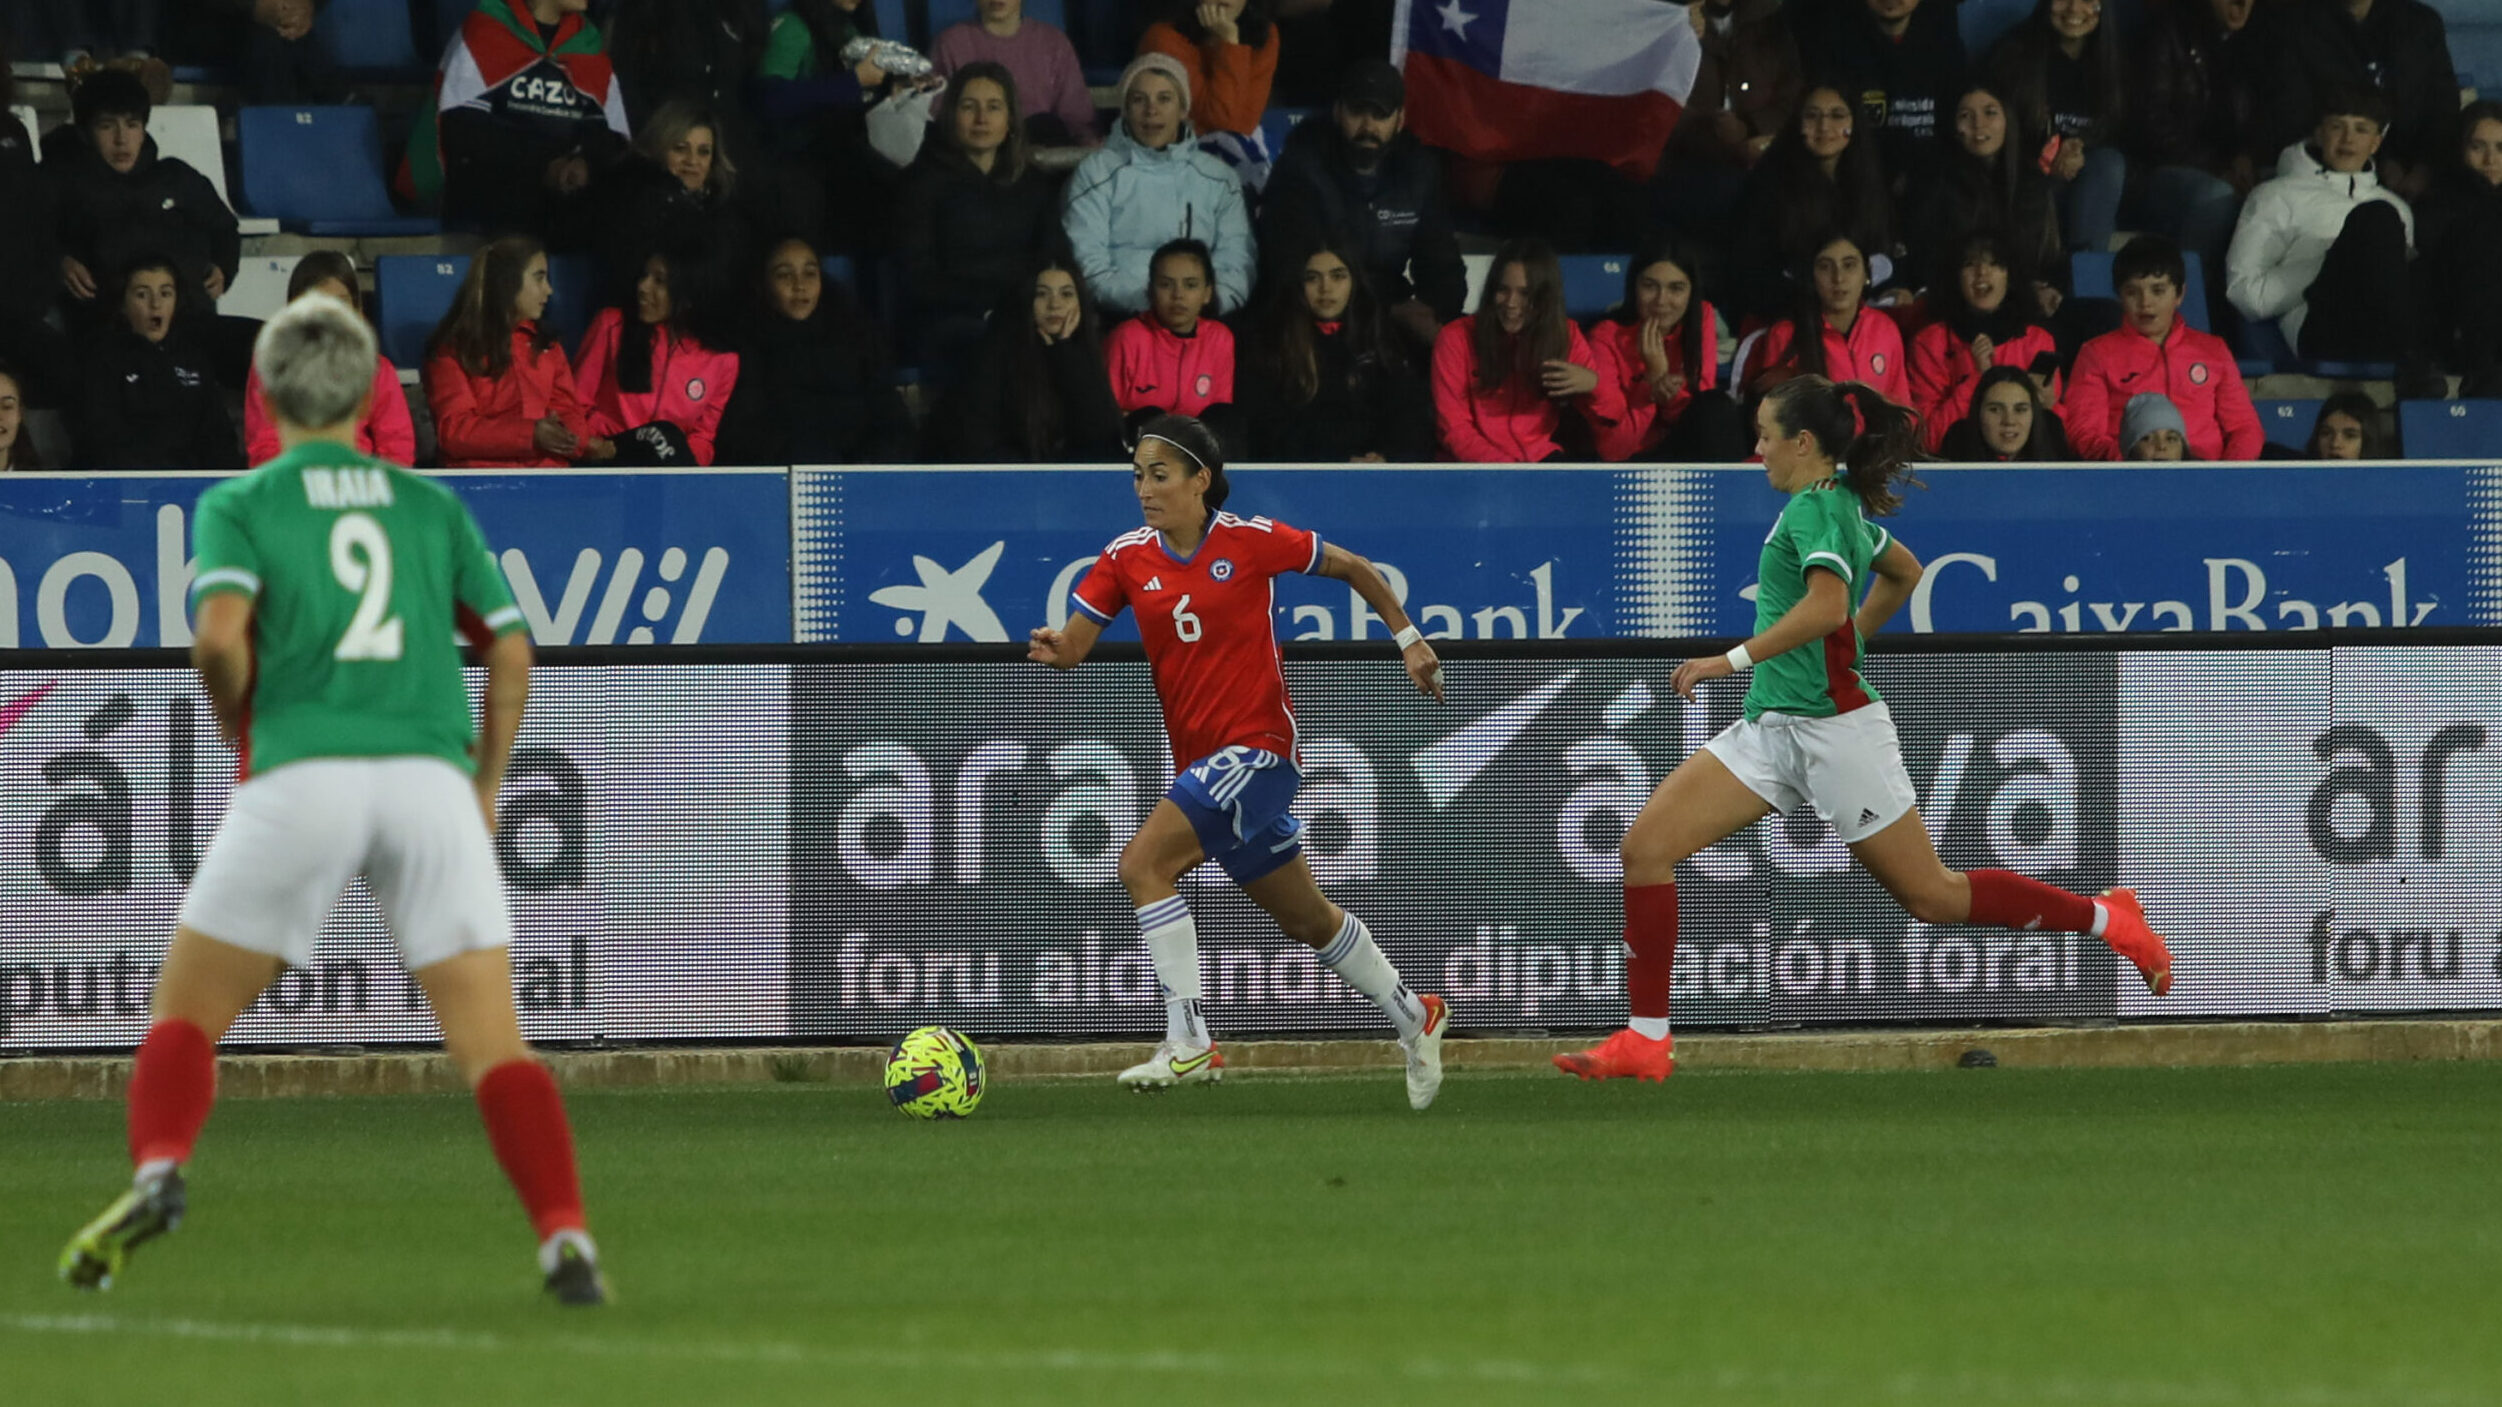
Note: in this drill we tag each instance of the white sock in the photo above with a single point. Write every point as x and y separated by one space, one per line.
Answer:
553 1245
1654 1028
2102 920
1354 956
151 1171
1173 946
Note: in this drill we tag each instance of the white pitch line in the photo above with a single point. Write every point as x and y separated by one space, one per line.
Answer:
1903 1387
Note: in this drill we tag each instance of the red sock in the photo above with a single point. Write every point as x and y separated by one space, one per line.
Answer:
525 1120
1650 946
170 1091
2009 900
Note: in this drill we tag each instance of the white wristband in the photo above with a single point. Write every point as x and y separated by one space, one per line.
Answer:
1407 637
1739 660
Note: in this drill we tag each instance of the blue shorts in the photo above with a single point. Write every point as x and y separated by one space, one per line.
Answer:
1237 801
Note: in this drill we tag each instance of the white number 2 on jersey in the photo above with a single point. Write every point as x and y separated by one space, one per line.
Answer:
360 556
1185 624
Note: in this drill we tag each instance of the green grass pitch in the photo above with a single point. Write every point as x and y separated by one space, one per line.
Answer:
2316 1235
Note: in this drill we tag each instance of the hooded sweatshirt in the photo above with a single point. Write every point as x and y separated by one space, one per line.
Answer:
2286 229
509 102
690 384
491 422
149 405
1150 365
159 206
1516 423
1126 201
2194 368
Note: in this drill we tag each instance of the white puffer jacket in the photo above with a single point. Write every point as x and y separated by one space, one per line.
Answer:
2286 229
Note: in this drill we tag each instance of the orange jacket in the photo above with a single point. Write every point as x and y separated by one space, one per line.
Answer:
488 422
1229 83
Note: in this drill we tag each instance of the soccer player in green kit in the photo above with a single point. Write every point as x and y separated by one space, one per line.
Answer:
326 598
1814 732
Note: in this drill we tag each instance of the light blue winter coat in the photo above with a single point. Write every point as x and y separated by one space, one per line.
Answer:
1126 201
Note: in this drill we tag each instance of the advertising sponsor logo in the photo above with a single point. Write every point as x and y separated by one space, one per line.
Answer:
608 559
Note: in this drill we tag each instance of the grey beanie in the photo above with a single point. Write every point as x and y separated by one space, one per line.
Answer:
2149 411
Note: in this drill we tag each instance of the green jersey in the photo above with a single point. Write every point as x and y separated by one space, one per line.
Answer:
1821 526
361 574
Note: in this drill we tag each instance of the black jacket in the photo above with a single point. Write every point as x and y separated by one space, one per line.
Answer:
1371 405
2401 49
160 206
983 420
2458 226
816 392
644 209
964 238
138 404
1392 218
30 255
1964 196
2203 97
1906 88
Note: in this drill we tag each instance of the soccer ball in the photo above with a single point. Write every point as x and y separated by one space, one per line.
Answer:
934 1073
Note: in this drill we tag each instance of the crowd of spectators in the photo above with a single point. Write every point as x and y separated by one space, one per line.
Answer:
1850 193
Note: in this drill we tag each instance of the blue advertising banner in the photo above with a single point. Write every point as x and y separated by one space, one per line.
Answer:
622 558
985 554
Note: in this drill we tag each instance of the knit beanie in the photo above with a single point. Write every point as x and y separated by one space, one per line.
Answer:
2147 412
1164 64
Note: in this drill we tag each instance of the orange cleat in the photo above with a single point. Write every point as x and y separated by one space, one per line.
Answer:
1626 1055
2133 938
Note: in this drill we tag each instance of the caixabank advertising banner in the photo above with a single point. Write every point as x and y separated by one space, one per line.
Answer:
859 842
1581 553
630 557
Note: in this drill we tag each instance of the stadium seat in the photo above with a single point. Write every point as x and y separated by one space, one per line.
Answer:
29 119
1593 283
372 36
2476 51
318 171
413 292
2288 423
2451 429
894 21
1278 122
448 16
188 131
841 269
2089 274
1984 21
260 287
576 277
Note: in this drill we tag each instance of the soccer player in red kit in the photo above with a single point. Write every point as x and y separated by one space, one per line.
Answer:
1200 582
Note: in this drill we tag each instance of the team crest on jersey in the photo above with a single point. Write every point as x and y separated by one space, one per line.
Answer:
695 388
1222 569
1877 363
2197 373
1206 384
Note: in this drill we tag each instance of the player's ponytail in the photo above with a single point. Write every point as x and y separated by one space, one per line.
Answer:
1197 444
1881 455
1873 440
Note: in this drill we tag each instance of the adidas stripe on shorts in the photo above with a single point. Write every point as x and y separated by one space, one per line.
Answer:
1849 767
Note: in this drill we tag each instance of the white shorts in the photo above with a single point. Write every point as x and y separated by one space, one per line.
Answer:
293 838
1849 767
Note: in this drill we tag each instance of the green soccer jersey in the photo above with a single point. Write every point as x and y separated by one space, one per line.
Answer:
1821 526
360 573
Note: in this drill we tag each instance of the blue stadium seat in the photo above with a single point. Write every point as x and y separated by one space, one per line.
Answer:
318 171
2289 423
2476 51
1984 21
1278 122
1593 283
2451 429
448 15
371 36
576 278
413 292
894 21
841 269
2089 274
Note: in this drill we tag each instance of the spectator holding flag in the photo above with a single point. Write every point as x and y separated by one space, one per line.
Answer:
528 110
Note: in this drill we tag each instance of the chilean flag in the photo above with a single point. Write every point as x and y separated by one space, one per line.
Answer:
1601 79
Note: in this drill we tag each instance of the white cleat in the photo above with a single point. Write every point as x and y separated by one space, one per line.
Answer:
1175 1065
1424 1054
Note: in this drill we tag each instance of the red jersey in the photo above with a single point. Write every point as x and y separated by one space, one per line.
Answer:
1206 622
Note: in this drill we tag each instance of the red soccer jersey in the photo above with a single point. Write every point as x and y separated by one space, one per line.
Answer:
1205 620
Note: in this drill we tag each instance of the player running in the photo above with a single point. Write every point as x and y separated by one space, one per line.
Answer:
328 590
1814 731
1200 582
